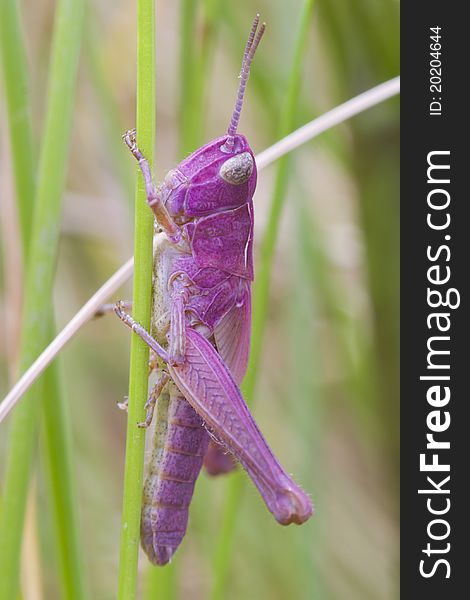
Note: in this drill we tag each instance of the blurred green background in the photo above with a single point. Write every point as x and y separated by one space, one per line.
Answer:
327 391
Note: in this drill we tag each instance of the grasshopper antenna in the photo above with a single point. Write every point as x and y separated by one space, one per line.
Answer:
250 49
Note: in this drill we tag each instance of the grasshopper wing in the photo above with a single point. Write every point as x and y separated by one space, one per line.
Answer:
208 386
232 337
218 461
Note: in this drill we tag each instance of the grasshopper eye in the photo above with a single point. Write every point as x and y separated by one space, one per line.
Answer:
238 169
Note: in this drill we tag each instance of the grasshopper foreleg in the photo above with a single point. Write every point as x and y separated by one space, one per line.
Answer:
153 197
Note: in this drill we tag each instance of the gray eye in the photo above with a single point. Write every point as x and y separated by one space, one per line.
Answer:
238 169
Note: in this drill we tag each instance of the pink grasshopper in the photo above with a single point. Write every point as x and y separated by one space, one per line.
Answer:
200 335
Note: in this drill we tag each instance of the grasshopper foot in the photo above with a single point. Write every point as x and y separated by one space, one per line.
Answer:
107 308
124 405
130 139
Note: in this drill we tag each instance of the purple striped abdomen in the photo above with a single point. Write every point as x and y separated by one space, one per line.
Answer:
179 445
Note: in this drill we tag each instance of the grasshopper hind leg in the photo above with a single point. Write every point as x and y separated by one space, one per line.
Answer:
154 199
140 331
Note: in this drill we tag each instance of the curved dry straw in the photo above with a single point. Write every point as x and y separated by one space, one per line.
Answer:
337 115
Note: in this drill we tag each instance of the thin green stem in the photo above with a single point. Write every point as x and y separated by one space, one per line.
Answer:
138 377
161 583
39 282
260 296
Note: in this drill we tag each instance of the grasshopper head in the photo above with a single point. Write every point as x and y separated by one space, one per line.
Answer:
212 180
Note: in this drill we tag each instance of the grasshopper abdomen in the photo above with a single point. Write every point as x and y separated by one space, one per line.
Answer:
179 445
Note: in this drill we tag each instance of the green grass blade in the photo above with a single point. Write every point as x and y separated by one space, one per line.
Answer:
211 9
21 139
61 483
195 61
22 439
16 82
260 296
138 378
39 282
110 117
221 566
186 67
